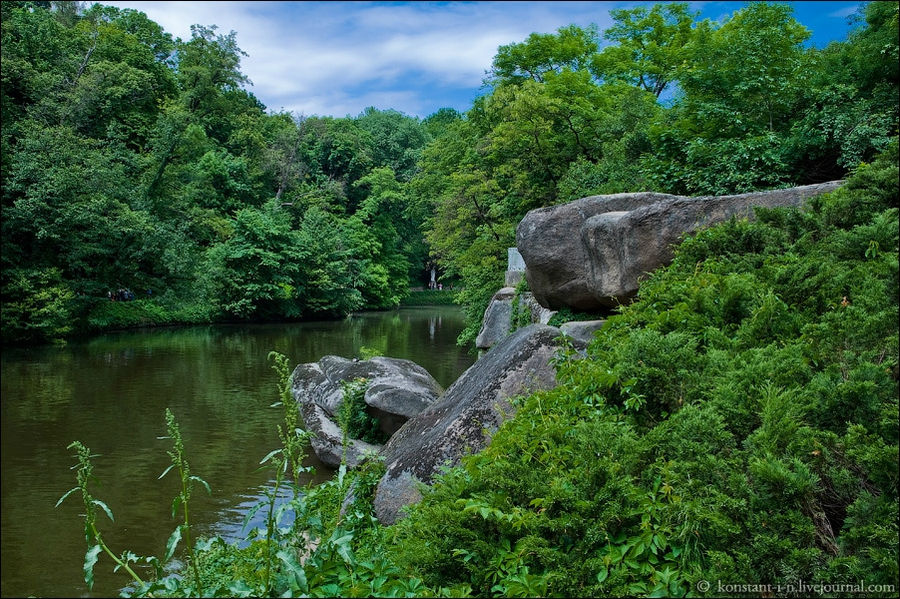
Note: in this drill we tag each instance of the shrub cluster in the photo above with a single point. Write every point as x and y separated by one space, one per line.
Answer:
737 423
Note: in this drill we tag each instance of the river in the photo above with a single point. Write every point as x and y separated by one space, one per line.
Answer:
110 392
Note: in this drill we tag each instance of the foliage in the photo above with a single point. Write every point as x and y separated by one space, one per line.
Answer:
520 315
134 160
353 417
179 462
714 431
430 297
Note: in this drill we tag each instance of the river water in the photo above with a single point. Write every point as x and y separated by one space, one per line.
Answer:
111 392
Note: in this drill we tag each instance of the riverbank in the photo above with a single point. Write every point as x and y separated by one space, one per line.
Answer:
100 315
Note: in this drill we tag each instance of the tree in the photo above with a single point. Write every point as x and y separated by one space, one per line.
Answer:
648 46
570 47
745 76
257 271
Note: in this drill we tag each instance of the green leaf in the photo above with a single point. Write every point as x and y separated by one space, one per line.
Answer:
66 494
270 455
172 543
104 507
296 569
342 544
90 558
250 514
175 503
202 482
602 575
239 588
165 472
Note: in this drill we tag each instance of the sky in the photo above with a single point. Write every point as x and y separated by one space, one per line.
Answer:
338 58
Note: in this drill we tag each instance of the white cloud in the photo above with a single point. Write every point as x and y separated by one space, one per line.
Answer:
310 54
336 58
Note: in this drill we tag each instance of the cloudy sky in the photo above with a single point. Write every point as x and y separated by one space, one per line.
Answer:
337 58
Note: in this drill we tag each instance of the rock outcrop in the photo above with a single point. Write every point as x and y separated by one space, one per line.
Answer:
396 391
497 322
589 254
465 417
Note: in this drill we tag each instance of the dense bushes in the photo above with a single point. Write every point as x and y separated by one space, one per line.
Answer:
738 423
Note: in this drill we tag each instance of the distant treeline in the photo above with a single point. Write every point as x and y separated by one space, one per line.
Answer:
134 160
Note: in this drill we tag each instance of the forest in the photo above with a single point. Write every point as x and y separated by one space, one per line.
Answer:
135 161
737 423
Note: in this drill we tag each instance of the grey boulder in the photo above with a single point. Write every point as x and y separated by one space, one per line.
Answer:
463 420
497 322
396 391
590 253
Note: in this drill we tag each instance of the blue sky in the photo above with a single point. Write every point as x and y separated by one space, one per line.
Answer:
337 58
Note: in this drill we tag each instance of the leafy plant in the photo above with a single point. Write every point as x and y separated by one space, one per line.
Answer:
182 500
353 416
92 535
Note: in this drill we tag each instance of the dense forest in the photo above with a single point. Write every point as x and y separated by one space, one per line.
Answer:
134 161
735 425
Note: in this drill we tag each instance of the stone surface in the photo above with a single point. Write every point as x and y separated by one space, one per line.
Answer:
497 321
590 253
514 261
539 314
581 331
495 324
465 417
513 277
397 390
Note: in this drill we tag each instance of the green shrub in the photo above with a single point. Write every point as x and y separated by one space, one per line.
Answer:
353 415
737 422
430 297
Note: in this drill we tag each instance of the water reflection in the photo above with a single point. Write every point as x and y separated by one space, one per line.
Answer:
111 393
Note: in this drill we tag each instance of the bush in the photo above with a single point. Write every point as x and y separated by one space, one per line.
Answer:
737 422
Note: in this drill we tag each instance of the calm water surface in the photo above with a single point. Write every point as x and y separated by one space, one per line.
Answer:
111 393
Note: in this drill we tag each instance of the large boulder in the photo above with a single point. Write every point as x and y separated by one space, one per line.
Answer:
589 254
465 417
396 391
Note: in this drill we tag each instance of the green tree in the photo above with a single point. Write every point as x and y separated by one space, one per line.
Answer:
571 47
257 270
648 46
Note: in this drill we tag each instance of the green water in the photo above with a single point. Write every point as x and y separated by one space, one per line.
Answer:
111 393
